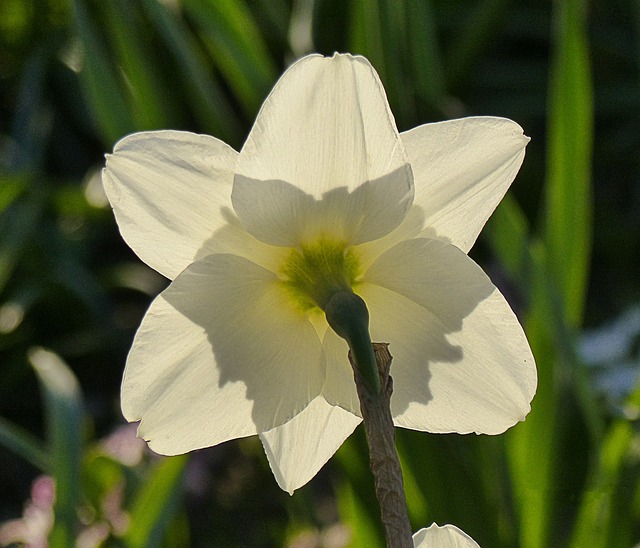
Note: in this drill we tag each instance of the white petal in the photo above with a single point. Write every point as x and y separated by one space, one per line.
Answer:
339 386
324 132
218 356
462 169
461 360
234 239
168 190
447 536
299 448
411 227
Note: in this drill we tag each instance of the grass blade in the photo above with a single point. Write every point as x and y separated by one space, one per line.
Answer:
24 444
608 515
63 403
205 95
150 105
570 140
103 91
156 504
237 47
426 67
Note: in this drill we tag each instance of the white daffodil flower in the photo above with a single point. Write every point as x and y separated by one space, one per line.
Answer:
324 195
447 536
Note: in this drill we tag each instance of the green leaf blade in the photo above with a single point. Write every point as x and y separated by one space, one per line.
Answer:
63 403
570 136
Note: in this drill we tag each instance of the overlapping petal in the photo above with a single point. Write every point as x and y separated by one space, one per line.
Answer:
223 353
219 357
299 448
462 169
461 360
339 386
324 134
447 536
168 190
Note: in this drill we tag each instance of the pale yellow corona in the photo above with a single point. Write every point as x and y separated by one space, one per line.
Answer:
313 272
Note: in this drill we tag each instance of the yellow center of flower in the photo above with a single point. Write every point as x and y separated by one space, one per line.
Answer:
314 272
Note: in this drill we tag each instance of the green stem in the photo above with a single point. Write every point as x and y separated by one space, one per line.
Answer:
348 316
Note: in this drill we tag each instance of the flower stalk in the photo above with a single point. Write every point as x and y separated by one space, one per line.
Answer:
383 456
348 316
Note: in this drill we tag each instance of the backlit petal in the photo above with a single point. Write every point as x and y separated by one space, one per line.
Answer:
299 448
462 169
461 360
447 536
218 357
168 190
324 153
339 387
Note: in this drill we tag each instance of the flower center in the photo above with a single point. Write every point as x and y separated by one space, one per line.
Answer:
314 272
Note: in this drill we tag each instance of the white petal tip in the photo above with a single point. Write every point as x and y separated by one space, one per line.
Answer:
447 536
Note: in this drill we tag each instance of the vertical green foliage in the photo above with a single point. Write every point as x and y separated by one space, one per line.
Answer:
608 514
156 503
425 63
237 46
555 273
203 92
365 34
24 443
147 94
102 88
570 136
533 445
377 31
63 404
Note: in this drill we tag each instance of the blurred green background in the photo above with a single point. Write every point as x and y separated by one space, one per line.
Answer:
564 247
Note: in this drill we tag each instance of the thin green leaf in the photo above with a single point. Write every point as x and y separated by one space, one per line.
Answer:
24 444
156 504
607 516
365 34
424 54
237 47
150 105
104 94
450 488
399 86
570 138
63 403
536 447
533 445
206 97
